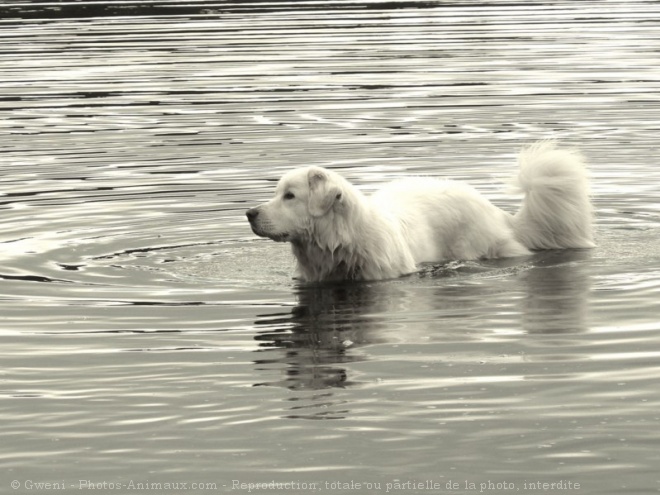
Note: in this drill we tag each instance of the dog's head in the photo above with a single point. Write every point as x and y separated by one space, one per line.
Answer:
304 199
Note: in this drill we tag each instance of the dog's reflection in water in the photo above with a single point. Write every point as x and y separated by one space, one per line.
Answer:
307 347
324 330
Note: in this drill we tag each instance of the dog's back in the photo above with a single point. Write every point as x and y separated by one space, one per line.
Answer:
444 219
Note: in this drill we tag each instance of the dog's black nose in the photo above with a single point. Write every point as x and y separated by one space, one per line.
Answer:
252 213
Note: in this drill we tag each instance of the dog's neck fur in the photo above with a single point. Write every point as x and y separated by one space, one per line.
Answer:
338 249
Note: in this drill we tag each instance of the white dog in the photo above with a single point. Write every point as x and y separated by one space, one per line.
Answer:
337 233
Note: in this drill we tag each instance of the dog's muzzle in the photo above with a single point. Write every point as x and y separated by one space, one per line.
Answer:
257 224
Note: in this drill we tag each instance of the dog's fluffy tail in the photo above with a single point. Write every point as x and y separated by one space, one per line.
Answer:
556 212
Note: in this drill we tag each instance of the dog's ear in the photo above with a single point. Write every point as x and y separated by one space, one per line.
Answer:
322 192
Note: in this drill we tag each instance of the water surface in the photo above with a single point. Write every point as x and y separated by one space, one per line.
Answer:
149 337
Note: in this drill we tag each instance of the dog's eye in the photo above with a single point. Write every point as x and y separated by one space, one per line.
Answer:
289 195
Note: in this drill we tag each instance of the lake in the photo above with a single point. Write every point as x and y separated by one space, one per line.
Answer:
151 342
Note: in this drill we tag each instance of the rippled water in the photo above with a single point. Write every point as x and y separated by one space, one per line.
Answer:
149 337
